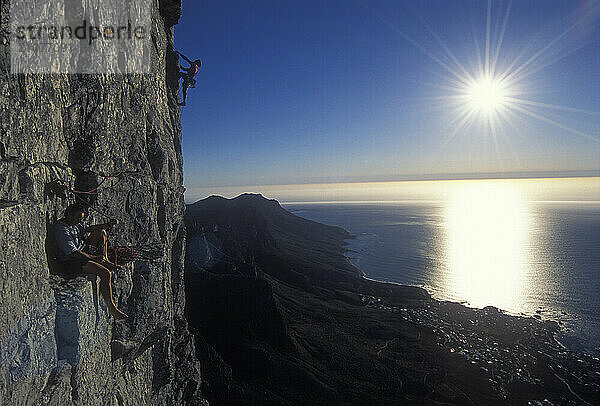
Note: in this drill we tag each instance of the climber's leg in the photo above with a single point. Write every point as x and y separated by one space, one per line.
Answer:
99 239
182 75
105 287
184 88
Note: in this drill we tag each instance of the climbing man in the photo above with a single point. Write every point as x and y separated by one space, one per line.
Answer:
78 256
188 75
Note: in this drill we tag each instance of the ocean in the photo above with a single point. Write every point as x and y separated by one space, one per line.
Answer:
538 258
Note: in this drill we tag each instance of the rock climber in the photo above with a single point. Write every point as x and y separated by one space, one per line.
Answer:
188 75
77 255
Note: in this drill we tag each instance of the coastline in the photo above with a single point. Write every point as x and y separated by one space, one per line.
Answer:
292 302
535 321
577 327
545 324
439 297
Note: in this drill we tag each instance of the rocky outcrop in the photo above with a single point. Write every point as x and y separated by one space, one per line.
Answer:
57 343
260 281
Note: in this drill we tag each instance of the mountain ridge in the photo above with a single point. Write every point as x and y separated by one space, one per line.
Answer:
294 322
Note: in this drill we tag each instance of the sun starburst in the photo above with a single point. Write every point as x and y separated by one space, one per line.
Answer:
492 92
487 95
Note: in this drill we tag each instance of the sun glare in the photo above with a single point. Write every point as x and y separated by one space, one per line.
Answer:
486 95
488 227
489 92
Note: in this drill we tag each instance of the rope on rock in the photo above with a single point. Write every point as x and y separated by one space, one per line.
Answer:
59 186
125 254
94 190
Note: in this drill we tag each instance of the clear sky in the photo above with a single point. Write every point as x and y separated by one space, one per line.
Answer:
305 91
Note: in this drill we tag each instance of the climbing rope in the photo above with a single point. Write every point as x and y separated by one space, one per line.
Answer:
124 254
60 185
94 190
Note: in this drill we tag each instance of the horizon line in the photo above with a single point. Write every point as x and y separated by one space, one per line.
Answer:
592 173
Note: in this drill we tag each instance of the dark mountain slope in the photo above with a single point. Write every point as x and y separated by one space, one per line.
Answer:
282 317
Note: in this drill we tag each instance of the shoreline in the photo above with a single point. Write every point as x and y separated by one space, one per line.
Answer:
578 345
504 353
574 333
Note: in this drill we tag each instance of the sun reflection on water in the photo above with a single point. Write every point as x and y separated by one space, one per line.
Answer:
487 231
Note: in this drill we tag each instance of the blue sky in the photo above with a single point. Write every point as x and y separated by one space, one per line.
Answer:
329 91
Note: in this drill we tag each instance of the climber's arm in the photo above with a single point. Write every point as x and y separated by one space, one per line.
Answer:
184 57
100 227
64 241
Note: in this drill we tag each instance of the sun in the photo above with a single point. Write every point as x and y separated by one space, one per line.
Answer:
491 94
486 95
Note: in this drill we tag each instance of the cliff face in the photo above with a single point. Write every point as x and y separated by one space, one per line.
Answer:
57 343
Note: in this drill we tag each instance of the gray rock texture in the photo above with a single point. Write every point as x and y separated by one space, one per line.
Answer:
58 346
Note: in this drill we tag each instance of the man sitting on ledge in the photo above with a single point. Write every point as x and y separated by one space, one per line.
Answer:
74 255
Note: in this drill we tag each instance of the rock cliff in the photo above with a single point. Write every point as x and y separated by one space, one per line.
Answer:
57 343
